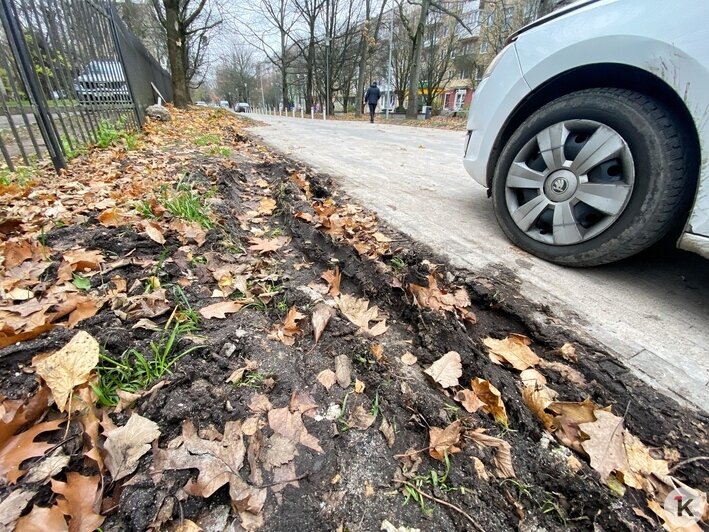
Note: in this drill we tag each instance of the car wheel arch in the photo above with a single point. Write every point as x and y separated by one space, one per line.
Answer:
597 75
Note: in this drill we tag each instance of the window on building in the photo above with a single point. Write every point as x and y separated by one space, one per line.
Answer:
446 98
530 12
459 98
509 13
478 74
484 47
490 19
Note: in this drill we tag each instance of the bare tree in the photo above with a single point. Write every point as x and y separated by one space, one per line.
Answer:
415 19
310 11
187 25
369 30
235 75
271 27
440 46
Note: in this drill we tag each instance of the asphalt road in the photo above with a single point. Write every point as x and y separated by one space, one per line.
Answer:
651 311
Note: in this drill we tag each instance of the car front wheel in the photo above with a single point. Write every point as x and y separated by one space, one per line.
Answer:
593 177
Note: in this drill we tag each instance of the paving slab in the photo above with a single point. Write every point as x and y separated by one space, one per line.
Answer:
651 311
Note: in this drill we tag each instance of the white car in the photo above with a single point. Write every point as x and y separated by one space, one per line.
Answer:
591 131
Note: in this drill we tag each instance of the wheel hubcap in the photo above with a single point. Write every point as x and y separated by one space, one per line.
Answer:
561 185
570 182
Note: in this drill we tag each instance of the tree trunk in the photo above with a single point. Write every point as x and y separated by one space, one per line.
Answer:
284 83
363 56
417 42
180 92
310 67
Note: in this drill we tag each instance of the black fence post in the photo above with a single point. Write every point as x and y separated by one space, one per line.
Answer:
112 15
24 63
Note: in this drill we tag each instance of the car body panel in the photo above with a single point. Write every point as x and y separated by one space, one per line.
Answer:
507 89
654 35
102 80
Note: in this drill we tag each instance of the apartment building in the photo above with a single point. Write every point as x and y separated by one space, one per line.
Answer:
489 23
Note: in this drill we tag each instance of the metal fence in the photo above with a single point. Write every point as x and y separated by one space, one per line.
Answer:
70 71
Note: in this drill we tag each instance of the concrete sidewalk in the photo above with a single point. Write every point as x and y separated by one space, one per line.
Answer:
653 313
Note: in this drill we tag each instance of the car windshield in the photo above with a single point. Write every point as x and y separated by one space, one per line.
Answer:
104 68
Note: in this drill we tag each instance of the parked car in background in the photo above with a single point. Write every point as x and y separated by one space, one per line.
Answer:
201 103
102 80
242 107
224 104
590 129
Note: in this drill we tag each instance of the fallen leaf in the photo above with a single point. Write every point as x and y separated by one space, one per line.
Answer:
436 299
267 206
513 351
111 218
408 359
446 370
80 499
276 451
568 352
6 341
567 372
388 431
154 232
86 308
469 400
218 462
444 441
16 413
188 526
69 367
569 416
327 378
360 418
125 445
605 445
388 527
492 398
290 425
16 253
238 374
220 310
343 371
358 312
321 316
358 386
333 279
268 245
47 468
42 520
641 463
538 396
287 332
503 452
260 404
82 260
12 507
480 468
377 350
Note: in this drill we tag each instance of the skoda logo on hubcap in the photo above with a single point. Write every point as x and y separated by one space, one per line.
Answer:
559 185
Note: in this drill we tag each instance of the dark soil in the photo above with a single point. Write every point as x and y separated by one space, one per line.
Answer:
351 485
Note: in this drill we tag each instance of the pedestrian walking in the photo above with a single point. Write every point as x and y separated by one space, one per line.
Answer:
371 97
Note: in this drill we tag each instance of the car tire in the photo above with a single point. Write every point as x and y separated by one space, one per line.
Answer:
651 193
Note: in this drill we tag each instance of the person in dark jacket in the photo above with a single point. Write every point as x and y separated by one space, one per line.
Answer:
371 97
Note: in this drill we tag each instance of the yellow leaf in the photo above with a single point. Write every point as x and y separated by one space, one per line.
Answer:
220 310
513 351
492 398
446 370
69 367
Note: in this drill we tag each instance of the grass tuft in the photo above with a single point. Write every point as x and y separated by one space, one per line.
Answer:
135 371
